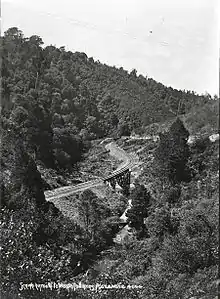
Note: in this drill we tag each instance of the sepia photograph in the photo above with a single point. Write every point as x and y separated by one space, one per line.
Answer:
109 149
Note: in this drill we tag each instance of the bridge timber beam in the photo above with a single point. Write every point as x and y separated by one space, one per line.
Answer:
123 179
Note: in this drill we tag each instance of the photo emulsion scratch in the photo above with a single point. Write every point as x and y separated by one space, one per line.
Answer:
109 149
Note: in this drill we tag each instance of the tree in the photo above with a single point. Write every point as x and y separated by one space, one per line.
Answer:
159 223
140 201
67 147
172 153
96 219
123 129
194 247
20 177
13 33
92 126
91 213
134 73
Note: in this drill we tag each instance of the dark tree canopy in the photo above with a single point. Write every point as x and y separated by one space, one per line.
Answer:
172 153
140 201
48 88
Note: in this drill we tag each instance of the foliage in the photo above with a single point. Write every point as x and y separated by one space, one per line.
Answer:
178 255
97 220
123 130
140 201
203 119
46 88
172 153
33 231
54 103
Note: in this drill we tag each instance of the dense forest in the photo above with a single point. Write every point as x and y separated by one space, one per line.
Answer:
60 100
54 105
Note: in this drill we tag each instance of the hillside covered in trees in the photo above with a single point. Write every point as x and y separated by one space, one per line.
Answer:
59 100
55 106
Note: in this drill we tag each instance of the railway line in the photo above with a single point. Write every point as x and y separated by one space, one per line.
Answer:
129 161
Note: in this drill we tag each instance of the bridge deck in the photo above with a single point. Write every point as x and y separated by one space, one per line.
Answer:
118 173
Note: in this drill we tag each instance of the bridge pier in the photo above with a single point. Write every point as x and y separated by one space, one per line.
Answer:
123 179
112 183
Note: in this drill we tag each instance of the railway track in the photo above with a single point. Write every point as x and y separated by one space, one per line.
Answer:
129 161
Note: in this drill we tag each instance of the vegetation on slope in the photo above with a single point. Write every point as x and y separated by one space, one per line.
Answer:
54 103
60 100
175 253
